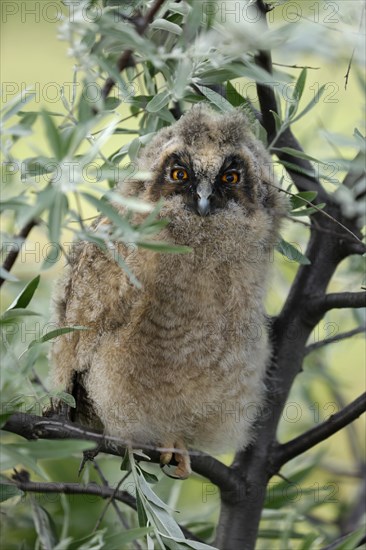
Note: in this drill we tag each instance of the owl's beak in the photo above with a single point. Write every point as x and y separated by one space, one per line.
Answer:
203 196
203 206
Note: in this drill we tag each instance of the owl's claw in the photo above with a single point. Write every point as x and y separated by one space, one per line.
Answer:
165 458
181 456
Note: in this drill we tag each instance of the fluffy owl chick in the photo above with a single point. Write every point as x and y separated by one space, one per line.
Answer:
179 363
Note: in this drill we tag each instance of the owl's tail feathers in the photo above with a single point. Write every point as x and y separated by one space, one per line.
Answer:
177 452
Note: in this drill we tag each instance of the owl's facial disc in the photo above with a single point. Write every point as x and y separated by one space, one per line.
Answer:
205 182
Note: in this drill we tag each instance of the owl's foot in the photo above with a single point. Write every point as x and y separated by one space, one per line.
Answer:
181 457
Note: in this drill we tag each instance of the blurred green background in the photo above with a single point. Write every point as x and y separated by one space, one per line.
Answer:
32 56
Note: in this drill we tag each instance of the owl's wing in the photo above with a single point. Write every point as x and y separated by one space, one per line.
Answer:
95 296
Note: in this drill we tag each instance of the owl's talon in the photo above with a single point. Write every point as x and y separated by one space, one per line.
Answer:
181 456
165 458
165 468
183 470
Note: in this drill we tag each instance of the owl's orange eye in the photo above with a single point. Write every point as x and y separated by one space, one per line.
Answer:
179 174
231 177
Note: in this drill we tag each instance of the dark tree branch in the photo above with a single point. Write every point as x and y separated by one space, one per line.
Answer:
333 339
22 482
141 25
36 427
320 433
337 300
356 248
13 254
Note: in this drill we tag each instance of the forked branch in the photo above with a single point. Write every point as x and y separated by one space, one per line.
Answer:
320 433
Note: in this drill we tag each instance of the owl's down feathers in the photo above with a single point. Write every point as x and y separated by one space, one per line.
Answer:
180 362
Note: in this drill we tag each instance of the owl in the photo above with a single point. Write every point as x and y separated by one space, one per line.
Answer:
179 363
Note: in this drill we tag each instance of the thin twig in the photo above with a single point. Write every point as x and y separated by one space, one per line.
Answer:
360 246
111 500
72 489
320 433
295 66
346 76
320 211
333 339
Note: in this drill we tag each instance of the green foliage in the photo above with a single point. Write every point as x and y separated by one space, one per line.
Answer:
193 51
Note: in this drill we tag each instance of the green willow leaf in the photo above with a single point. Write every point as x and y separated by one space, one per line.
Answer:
8 490
234 97
300 85
58 209
168 26
17 104
53 135
55 334
44 525
311 104
158 102
215 98
25 296
292 253
14 314
158 246
303 198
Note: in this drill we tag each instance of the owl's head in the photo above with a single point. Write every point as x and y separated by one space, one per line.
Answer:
210 160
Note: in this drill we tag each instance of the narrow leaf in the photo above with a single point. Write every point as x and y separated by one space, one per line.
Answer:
303 198
127 536
300 84
292 253
16 313
234 97
108 210
44 526
17 104
54 334
158 102
351 541
53 135
296 153
65 397
56 449
311 104
4 274
183 74
23 299
8 490
278 121
215 98
56 215
158 246
168 26
142 517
